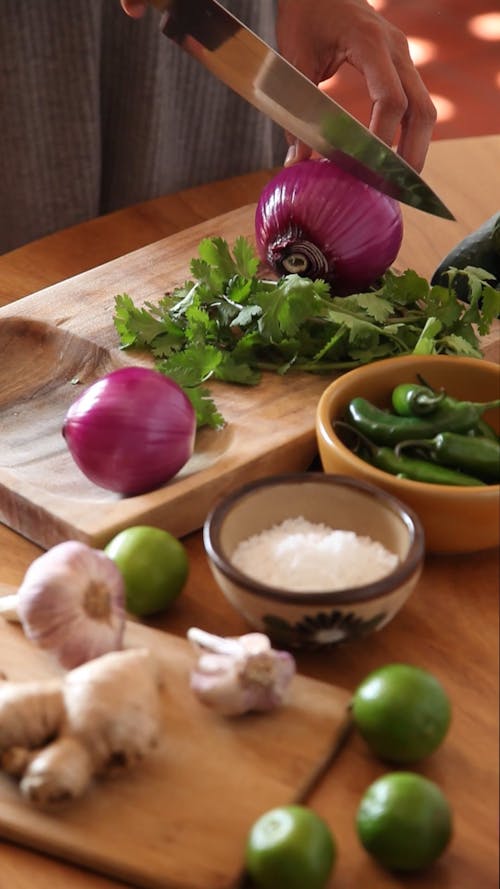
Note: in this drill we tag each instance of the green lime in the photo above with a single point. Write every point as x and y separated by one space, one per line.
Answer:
154 565
404 821
290 847
402 712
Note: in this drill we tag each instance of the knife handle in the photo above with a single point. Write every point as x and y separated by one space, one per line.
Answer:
197 25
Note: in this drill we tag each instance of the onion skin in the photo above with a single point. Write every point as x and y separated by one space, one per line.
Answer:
319 221
131 431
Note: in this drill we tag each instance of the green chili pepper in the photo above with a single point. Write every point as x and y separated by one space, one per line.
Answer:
407 467
385 428
480 456
415 400
420 470
482 429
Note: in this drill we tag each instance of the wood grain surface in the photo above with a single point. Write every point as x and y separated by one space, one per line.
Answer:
450 624
180 819
57 342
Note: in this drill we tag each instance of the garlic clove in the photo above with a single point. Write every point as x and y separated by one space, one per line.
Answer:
255 643
8 608
71 602
238 675
215 682
203 641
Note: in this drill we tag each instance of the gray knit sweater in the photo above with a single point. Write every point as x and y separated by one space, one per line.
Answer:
98 111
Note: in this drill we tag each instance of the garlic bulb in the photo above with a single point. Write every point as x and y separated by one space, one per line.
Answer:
237 675
71 602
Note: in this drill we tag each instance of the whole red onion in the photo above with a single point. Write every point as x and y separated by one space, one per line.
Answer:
131 431
317 220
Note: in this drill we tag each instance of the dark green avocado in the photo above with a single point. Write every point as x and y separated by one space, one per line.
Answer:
480 249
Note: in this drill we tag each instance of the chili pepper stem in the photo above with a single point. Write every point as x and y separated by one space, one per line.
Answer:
479 456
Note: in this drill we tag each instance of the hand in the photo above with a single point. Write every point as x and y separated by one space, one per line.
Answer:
134 8
318 36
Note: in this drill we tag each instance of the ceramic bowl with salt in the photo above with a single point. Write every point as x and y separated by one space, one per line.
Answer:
313 559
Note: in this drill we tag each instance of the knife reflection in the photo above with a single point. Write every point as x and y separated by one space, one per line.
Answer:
245 63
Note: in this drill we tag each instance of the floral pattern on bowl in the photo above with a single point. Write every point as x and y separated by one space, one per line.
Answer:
323 630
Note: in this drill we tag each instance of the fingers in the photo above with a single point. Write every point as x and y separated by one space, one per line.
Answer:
318 38
417 124
134 8
297 151
402 106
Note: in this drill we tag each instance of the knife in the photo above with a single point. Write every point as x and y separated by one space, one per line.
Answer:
249 66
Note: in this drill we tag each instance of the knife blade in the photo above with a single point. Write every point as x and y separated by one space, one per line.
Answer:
249 66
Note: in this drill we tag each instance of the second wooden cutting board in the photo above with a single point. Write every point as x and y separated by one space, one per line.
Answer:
180 821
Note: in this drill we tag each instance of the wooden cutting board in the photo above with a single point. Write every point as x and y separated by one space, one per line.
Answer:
180 821
56 342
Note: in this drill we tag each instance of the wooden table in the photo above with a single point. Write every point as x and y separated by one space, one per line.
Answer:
450 625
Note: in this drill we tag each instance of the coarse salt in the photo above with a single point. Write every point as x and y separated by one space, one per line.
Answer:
303 556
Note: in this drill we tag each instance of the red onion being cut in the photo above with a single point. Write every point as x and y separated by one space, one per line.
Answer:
131 431
316 220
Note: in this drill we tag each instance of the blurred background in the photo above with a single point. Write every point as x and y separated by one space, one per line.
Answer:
456 47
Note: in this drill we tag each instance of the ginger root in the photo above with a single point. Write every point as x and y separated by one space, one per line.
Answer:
100 718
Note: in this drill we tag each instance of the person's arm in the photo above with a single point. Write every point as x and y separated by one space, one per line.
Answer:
318 36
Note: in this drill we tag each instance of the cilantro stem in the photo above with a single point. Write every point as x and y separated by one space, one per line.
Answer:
334 314
226 323
312 366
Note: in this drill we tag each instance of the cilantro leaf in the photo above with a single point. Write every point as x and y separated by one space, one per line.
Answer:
490 308
285 308
460 346
373 305
192 366
233 371
216 255
204 407
245 258
405 289
246 315
227 324
135 326
239 289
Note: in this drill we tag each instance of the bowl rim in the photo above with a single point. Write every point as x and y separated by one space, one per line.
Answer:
325 430
384 586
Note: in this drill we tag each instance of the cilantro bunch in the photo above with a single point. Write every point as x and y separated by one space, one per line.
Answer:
228 323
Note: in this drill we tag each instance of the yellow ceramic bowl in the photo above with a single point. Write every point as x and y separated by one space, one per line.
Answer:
455 519
319 618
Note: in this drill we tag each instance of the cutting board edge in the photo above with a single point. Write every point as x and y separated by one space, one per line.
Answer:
292 784
105 870
58 519
84 304
138 880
